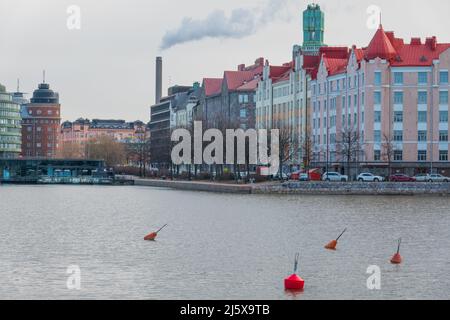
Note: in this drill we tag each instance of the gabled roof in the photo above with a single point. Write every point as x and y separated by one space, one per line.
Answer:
212 86
335 66
380 47
418 55
250 86
235 79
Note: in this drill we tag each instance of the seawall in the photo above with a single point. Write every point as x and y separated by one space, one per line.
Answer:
311 188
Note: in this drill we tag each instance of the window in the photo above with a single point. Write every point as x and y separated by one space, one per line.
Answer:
377 116
398 155
398 78
398 135
377 80
398 116
377 155
443 116
423 78
243 98
363 98
243 113
422 155
443 97
443 136
422 117
422 136
443 155
422 97
443 77
398 97
377 136
377 97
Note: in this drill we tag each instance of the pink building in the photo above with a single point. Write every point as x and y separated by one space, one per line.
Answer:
81 131
391 98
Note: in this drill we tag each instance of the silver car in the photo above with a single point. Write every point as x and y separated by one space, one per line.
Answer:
437 178
334 176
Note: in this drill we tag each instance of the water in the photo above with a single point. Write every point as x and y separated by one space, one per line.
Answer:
217 246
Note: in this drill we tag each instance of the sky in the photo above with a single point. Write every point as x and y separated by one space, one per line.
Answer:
105 69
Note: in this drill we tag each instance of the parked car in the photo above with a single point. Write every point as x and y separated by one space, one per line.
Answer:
304 177
334 176
437 178
369 177
400 177
423 177
295 175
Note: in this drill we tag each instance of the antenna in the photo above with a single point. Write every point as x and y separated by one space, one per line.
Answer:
43 76
381 18
18 85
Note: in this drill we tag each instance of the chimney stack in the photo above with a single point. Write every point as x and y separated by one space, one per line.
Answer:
158 91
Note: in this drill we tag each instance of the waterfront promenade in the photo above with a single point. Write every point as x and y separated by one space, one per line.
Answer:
313 188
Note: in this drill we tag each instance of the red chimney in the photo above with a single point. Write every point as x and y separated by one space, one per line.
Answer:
241 67
431 43
416 41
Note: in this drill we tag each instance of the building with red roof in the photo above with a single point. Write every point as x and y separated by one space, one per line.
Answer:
230 100
391 99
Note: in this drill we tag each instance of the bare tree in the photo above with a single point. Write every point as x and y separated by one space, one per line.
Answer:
107 149
288 145
389 149
349 147
307 149
70 150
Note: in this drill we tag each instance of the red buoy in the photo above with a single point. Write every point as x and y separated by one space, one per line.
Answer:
294 282
152 236
333 244
397 258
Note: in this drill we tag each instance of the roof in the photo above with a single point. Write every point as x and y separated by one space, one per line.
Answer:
235 79
380 47
250 86
212 86
385 45
335 66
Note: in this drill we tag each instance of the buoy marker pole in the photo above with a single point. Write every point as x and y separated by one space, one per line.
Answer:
345 230
161 228
297 256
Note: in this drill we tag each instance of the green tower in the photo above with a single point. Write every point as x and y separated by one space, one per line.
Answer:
313 29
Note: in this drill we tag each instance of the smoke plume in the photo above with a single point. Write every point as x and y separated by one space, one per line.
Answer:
240 23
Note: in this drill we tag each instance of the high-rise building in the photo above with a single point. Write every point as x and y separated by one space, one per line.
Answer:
41 123
10 128
313 29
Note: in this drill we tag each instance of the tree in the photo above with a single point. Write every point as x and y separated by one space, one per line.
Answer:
71 150
107 149
288 147
349 146
138 153
389 149
307 149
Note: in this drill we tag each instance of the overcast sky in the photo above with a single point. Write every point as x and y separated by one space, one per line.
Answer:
106 69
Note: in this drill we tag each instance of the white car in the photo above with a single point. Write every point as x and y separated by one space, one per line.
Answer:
368 177
334 176
437 178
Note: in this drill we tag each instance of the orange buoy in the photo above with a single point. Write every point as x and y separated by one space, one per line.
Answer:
397 258
152 236
333 244
294 282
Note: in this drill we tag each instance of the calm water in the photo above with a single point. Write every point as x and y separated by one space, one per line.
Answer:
217 246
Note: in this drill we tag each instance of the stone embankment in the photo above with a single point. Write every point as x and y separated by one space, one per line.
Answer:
312 188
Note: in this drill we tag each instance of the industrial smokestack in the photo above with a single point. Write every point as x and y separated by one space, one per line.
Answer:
158 91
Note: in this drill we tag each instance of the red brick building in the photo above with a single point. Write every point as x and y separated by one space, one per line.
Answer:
41 119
